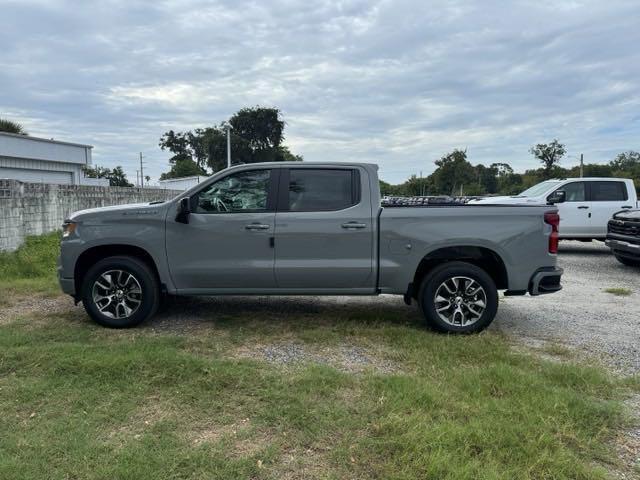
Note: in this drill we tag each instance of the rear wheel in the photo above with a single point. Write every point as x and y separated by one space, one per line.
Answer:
120 292
458 297
631 262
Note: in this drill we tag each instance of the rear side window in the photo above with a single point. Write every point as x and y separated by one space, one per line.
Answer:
608 191
313 189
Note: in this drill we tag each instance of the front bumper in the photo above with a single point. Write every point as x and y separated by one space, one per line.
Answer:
545 280
68 285
623 248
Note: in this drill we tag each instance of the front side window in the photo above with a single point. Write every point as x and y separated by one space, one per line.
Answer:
239 192
538 189
608 191
321 189
576 191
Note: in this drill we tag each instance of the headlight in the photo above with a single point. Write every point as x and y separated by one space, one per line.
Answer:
68 228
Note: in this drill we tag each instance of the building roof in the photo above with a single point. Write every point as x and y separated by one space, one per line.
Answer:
47 140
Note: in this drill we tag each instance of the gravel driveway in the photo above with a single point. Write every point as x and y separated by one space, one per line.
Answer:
583 315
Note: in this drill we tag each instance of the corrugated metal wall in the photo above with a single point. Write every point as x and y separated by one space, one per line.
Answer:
38 176
26 146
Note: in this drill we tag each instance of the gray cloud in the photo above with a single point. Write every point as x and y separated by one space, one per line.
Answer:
394 82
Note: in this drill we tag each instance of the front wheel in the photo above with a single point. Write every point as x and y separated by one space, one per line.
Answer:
458 297
120 292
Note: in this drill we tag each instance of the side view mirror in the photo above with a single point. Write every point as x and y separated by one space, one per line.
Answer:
559 196
184 209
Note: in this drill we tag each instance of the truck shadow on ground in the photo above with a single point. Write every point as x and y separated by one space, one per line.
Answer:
583 248
180 312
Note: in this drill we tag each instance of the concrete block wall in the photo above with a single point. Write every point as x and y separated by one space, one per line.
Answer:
37 208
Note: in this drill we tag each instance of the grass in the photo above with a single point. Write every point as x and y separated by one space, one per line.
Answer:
31 268
175 400
619 292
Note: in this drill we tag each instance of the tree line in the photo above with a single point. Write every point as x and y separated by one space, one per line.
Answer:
455 175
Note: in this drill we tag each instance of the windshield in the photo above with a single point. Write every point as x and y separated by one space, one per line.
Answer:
539 189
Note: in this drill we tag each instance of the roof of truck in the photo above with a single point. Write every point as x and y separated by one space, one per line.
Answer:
589 179
305 164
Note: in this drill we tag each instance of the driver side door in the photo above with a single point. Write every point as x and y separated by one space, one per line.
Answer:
227 243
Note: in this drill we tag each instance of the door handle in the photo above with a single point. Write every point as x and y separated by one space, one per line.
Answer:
627 206
257 226
582 207
354 225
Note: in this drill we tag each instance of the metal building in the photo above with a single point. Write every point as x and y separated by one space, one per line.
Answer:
33 159
181 183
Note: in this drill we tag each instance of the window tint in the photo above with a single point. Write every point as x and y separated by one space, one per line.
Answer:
576 191
608 191
321 189
239 192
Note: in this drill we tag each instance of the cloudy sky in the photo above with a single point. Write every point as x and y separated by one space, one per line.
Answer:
396 82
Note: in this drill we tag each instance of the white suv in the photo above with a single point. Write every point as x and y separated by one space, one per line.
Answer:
590 203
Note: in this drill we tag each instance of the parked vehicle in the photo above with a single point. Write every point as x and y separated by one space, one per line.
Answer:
623 237
307 229
589 204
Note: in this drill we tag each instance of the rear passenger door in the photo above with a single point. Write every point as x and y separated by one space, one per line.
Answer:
607 198
324 230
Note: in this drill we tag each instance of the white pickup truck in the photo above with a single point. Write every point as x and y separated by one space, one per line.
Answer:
589 203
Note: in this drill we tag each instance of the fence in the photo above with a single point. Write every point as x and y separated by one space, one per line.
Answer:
36 208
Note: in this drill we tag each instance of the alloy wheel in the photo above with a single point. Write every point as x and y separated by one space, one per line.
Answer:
117 294
460 301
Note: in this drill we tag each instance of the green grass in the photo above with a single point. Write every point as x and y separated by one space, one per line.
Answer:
31 268
178 399
619 292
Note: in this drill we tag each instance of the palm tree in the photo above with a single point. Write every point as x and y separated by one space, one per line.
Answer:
11 127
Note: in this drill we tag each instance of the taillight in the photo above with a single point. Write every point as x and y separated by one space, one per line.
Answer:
553 219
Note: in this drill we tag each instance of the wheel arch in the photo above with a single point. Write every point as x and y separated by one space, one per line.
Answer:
94 254
482 257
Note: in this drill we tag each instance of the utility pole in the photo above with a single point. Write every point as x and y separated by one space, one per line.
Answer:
581 165
141 172
228 127
137 178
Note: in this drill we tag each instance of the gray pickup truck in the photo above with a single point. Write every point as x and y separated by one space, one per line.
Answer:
307 229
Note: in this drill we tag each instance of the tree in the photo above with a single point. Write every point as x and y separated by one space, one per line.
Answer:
549 154
627 165
11 127
257 134
487 179
262 128
183 167
502 169
283 154
116 177
626 161
454 173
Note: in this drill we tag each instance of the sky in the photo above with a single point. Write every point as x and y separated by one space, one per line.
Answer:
399 83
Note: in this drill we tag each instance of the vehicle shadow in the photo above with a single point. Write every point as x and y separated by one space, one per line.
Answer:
583 248
292 312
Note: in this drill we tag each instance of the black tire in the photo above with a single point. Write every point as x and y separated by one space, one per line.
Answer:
148 299
446 272
630 262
